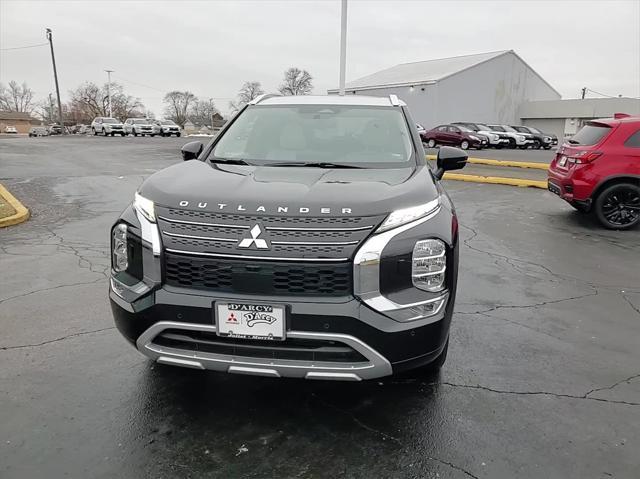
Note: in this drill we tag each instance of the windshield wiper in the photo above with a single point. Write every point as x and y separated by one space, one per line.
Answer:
229 161
573 142
319 164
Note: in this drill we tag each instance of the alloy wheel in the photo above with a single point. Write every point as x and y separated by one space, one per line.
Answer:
621 206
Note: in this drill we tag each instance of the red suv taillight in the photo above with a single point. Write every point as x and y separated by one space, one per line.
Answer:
581 157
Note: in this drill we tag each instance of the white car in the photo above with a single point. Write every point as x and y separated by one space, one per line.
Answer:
10 129
107 126
520 140
140 126
168 128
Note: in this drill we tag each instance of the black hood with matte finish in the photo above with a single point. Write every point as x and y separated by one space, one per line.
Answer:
305 191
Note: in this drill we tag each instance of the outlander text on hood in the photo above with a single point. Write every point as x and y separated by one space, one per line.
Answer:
309 239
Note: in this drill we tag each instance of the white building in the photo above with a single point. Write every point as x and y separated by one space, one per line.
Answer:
486 87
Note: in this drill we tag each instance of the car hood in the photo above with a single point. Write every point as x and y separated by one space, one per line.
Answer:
303 191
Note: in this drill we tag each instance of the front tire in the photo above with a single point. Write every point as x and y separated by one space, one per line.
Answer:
135 133
95 133
104 132
617 207
177 135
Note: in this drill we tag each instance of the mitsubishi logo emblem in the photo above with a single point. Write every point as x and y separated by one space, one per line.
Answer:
260 243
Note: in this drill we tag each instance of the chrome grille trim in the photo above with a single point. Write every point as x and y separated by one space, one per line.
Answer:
210 238
217 225
316 243
268 258
294 228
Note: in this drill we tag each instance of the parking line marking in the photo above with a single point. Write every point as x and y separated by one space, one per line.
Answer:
497 180
21 214
508 163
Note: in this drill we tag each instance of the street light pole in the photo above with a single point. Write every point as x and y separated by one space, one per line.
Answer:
343 46
109 72
55 76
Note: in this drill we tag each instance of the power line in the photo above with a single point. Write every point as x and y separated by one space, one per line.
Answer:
26 46
164 91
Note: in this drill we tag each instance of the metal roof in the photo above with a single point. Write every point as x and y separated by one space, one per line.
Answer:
356 100
421 72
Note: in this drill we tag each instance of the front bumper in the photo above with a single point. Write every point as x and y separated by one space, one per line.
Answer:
385 346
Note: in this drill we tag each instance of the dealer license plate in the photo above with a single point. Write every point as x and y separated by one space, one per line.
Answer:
250 321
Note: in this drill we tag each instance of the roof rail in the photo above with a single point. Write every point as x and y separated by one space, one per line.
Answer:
262 97
394 100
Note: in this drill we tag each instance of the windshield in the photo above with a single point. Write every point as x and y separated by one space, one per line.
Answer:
141 121
534 130
110 120
484 128
167 122
508 128
521 129
368 136
496 128
464 128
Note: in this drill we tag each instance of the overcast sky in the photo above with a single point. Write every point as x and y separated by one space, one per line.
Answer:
212 47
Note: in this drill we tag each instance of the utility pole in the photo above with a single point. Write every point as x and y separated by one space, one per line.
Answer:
584 92
211 111
343 46
55 76
109 72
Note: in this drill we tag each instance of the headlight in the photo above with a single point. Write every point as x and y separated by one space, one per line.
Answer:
428 265
519 137
145 207
407 215
474 138
119 260
495 137
547 139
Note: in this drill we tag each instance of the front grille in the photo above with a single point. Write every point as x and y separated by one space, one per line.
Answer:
258 277
287 237
291 348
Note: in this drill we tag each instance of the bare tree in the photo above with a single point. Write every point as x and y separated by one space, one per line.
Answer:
16 97
178 104
89 100
296 82
201 111
248 92
48 109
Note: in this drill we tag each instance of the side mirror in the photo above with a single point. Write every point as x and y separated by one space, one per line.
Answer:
191 150
449 159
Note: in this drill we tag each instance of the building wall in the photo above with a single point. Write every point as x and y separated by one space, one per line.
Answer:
491 92
23 126
421 100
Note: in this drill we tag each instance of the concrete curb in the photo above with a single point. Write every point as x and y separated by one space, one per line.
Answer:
509 163
497 180
22 213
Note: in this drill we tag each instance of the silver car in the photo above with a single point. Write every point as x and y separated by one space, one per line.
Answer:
140 126
107 126
168 128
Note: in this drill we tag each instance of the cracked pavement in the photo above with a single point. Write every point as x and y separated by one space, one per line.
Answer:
542 379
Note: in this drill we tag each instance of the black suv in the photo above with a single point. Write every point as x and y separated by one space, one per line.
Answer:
309 239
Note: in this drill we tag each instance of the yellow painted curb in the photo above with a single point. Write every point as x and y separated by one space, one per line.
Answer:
22 213
513 164
497 180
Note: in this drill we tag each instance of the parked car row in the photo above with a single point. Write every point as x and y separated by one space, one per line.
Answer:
479 135
134 126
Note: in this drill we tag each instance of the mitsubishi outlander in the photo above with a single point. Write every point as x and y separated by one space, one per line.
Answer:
309 239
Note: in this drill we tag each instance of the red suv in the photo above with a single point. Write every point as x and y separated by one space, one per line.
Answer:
598 170
456 135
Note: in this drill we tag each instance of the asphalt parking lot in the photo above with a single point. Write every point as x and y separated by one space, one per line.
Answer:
542 380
